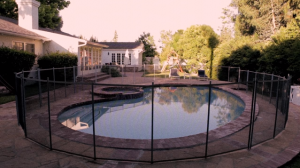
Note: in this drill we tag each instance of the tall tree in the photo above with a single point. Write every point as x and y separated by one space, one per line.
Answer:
166 40
149 45
264 17
8 8
198 43
115 39
227 25
48 12
176 41
170 42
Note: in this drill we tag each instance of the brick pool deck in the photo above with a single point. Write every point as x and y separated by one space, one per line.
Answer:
17 151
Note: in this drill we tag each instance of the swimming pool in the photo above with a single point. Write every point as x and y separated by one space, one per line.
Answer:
178 112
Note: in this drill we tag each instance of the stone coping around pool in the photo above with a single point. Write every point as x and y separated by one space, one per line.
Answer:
158 144
117 92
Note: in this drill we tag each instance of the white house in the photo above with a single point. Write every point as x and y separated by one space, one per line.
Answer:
25 34
128 54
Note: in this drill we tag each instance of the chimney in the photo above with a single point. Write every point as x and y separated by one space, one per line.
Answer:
28 13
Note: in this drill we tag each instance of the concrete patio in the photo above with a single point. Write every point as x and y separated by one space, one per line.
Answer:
17 151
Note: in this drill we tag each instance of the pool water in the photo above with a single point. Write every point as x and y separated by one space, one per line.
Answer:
178 112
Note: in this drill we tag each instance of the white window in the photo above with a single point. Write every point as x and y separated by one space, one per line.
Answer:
123 57
30 48
113 57
24 47
118 58
19 46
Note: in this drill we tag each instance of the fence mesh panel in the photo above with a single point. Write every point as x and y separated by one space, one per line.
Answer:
228 136
37 120
118 109
264 123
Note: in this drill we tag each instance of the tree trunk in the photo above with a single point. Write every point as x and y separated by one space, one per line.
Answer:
273 18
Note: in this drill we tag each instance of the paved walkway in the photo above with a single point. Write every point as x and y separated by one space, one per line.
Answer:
17 151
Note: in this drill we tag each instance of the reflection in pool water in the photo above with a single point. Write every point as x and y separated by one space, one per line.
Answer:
178 112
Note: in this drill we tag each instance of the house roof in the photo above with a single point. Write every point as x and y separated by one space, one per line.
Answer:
123 45
56 31
10 27
67 34
97 44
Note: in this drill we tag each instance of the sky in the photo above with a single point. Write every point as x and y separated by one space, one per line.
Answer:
130 18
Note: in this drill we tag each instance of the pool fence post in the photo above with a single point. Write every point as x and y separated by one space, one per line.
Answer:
40 86
16 97
263 86
122 74
288 98
250 121
283 93
109 71
133 73
95 73
82 77
254 109
228 74
23 103
152 122
247 80
144 72
65 76
74 79
93 112
239 78
277 98
271 90
49 117
250 137
154 71
125 71
208 115
53 71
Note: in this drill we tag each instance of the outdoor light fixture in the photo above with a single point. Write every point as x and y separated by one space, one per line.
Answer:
108 53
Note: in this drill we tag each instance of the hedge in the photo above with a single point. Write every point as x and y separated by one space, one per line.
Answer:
57 60
114 72
14 61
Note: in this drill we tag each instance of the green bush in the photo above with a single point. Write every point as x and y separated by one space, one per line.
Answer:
113 71
57 60
14 61
105 69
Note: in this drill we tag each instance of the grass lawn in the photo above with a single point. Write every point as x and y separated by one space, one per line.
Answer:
7 98
31 90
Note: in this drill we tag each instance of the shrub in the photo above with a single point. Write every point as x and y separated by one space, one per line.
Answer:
113 71
57 60
14 61
105 69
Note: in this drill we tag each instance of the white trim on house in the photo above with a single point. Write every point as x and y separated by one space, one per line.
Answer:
136 56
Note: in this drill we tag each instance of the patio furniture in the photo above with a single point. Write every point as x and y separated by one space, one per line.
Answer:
201 75
174 74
